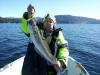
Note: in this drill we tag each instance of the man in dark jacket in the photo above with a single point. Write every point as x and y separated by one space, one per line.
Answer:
34 64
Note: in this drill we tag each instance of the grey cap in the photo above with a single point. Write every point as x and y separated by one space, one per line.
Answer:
51 17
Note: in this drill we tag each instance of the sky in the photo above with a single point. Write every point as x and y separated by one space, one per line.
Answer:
84 8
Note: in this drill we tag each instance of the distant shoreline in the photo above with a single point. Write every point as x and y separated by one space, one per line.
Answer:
10 20
61 19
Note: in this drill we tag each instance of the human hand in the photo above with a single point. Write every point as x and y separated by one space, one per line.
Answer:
57 66
31 10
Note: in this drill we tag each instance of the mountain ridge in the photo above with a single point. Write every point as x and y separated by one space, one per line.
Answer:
67 19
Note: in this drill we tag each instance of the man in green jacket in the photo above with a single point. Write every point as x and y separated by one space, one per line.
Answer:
33 62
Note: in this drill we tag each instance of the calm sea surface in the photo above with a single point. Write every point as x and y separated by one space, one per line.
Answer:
83 40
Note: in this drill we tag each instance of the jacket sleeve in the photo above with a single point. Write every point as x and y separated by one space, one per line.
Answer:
24 24
63 50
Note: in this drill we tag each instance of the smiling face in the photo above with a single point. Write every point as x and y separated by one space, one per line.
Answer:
48 25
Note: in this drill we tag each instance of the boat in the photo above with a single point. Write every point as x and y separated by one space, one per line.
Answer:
14 68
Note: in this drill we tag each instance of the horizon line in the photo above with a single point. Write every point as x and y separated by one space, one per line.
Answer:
54 15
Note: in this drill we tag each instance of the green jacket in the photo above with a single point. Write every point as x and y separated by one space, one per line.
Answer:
25 20
63 51
58 44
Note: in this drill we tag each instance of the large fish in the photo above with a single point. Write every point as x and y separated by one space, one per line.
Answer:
41 46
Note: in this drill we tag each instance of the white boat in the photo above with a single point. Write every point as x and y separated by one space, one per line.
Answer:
14 68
